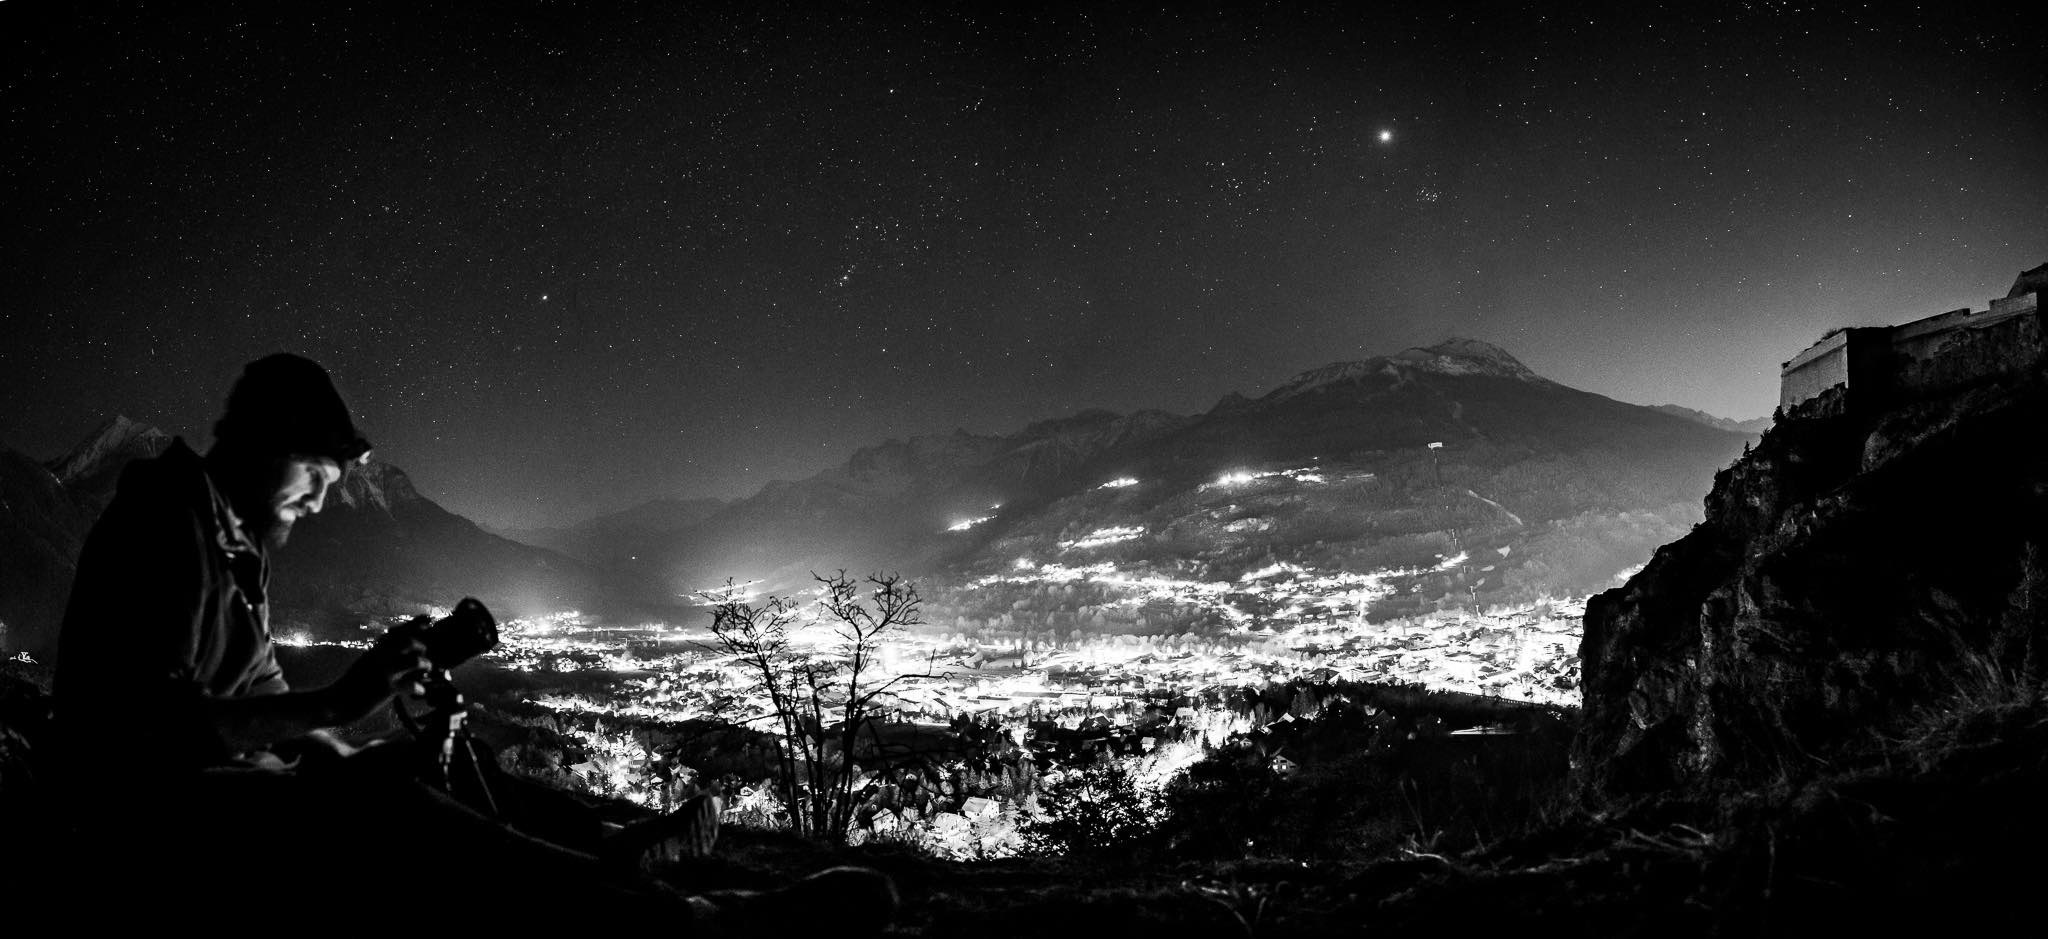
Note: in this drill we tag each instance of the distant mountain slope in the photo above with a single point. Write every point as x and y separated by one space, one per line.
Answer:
1463 393
90 471
884 506
1333 469
41 530
1449 476
1755 426
623 534
45 510
1439 476
380 545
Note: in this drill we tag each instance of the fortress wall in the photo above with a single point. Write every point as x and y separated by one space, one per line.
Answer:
1882 365
2024 304
1921 340
1823 366
1991 346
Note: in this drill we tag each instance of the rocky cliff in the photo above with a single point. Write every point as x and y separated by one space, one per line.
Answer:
41 529
1853 572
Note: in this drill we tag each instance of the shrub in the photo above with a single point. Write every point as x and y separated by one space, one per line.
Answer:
1094 810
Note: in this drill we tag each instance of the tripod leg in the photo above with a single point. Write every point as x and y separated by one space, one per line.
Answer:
476 772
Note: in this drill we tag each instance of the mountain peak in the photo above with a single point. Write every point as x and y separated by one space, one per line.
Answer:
1454 356
1461 356
1468 348
376 484
118 439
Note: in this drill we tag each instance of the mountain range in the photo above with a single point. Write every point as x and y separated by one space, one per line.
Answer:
1754 427
1390 464
1393 462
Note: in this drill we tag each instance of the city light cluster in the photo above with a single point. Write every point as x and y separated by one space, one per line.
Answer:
1305 474
1103 536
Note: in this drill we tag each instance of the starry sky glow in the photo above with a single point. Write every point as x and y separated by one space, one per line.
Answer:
569 257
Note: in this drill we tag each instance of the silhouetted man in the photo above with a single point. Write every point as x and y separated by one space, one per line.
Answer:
166 654
182 742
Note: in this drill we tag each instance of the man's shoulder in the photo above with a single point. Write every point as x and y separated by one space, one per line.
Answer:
178 468
154 491
175 478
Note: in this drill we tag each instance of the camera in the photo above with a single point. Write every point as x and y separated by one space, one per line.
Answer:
456 638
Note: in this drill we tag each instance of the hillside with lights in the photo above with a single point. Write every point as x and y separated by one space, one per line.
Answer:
1447 478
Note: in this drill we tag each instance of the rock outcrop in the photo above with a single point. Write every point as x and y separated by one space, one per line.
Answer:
1854 571
41 529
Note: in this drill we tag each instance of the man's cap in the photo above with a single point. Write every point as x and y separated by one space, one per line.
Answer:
286 404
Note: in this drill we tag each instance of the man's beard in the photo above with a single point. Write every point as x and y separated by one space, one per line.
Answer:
255 491
267 527
275 534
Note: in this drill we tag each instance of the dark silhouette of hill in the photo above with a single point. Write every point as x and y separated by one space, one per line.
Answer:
380 546
41 531
883 507
1574 486
1471 397
622 534
1851 570
1823 709
45 511
1755 426
92 468
1564 487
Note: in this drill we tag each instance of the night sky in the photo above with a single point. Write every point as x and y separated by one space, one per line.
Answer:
568 258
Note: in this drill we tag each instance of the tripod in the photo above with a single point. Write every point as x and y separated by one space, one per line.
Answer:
451 759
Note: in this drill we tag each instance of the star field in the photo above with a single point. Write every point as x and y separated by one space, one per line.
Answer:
574 256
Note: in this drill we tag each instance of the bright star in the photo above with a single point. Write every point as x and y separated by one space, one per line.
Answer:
1386 136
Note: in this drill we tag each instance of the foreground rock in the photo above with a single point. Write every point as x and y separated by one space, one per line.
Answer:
1854 570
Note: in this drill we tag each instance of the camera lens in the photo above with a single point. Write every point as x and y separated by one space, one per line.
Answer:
462 635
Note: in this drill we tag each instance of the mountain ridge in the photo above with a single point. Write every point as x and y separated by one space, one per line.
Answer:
1755 426
1395 462
1544 454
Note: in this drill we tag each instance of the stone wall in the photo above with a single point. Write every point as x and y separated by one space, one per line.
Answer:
1921 340
1823 366
1857 359
1881 365
1987 347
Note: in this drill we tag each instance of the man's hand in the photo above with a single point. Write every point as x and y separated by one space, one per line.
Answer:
319 748
395 665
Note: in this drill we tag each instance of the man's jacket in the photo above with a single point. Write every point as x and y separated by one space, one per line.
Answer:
168 609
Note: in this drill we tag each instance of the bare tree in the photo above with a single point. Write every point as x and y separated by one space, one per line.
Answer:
822 702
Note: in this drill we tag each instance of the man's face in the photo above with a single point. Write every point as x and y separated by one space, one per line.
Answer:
301 489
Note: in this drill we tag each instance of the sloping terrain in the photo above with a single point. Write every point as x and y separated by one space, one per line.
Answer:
1451 476
41 530
1403 485
1849 570
381 547
1754 427
886 507
621 536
